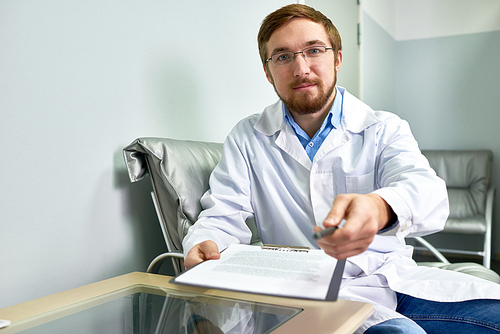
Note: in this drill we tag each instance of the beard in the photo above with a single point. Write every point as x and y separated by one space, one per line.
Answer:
302 103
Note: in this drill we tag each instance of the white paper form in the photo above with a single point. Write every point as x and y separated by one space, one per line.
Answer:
282 272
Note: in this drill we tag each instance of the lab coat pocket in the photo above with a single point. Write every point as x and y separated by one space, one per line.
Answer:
362 184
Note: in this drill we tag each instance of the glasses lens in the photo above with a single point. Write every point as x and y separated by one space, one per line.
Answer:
283 58
311 53
315 52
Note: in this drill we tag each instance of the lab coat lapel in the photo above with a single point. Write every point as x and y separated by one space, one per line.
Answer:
287 140
356 117
335 138
272 122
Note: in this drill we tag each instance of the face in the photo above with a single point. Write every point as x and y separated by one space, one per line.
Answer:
306 87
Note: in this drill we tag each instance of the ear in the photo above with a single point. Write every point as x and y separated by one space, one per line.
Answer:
338 63
268 75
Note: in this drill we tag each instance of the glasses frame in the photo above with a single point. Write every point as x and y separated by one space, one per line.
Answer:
296 53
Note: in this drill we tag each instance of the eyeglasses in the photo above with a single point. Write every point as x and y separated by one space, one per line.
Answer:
312 53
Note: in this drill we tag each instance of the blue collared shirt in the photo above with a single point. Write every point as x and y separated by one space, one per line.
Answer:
332 121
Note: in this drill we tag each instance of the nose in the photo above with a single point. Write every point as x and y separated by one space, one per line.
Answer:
300 66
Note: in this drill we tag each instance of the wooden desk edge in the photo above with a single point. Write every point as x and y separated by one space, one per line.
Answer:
351 314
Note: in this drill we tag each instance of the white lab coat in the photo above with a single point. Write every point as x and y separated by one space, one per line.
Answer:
265 173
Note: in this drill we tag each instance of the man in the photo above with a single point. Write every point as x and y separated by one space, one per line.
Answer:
318 156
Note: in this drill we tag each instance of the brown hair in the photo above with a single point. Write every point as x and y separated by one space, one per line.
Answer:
276 19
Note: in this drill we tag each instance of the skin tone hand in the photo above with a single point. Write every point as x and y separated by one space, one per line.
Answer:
206 250
365 215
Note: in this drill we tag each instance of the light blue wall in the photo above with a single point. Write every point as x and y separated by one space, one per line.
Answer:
449 88
79 80
446 88
380 57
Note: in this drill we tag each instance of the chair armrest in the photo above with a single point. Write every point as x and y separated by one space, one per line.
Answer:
488 217
488 214
155 265
432 249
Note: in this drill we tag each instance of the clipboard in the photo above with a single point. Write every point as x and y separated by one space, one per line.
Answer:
333 290
296 272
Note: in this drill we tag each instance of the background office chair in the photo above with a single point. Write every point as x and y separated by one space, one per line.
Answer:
468 180
179 171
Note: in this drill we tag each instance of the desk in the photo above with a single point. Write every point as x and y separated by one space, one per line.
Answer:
128 296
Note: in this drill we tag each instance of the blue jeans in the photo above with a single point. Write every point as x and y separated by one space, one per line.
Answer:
473 316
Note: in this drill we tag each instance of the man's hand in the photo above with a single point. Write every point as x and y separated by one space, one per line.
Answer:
365 215
206 250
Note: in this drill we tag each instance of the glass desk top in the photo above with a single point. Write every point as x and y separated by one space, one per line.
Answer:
166 311
148 303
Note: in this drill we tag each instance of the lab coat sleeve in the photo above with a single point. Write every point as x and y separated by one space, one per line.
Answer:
226 206
406 181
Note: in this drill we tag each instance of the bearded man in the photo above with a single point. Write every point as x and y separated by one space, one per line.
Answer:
319 156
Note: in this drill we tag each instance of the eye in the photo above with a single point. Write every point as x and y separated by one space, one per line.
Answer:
282 57
314 51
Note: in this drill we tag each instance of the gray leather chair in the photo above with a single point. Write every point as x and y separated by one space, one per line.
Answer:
468 179
179 171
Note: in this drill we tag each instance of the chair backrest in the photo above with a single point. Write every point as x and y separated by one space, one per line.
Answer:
467 175
179 171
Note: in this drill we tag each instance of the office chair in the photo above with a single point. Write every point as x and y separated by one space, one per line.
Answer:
179 172
468 180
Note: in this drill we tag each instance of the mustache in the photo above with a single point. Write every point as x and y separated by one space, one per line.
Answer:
298 82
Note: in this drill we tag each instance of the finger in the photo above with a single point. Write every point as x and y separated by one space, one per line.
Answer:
349 232
345 255
346 250
354 235
357 227
207 250
210 250
193 257
344 246
338 211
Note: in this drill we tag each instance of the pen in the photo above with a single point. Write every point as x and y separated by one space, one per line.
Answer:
324 233
327 231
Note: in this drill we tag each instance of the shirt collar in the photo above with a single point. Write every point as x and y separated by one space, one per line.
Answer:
333 116
356 117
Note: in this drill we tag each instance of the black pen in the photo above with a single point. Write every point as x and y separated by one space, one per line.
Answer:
324 233
327 231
